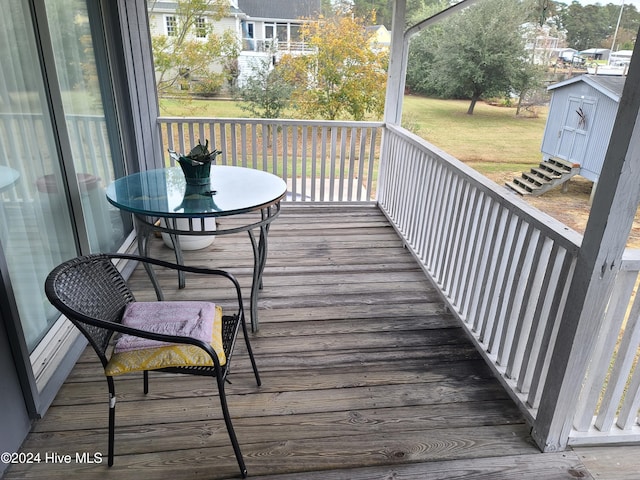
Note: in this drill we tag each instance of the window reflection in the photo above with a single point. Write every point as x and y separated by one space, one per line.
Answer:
84 114
31 242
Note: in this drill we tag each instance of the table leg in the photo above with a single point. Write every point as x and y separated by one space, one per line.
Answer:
259 261
175 241
143 248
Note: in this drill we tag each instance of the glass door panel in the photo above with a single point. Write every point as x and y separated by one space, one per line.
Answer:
83 101
36 229
46 145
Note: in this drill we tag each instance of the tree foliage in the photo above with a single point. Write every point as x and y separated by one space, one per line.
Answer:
190 52
265 93
344 77
478 52
593 26
381 9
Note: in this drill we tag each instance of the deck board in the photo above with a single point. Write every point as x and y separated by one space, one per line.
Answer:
364 375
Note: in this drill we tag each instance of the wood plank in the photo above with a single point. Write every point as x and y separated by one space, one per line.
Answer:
556 466
257 403
613 463
168 386
164 436
301 455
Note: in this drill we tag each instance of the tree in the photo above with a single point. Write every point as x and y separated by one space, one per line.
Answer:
478 52
527 84
422 48
591 26
381 9
586 25
265 93
192 47
343 77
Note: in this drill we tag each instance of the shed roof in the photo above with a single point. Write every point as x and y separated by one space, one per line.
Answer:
609 85
280 9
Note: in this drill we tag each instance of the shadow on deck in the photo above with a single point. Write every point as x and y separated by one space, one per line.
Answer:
365 376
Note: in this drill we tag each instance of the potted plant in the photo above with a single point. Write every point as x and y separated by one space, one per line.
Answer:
196 166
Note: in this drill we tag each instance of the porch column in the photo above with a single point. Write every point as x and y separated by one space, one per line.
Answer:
397 72
137 76
399 54
612 213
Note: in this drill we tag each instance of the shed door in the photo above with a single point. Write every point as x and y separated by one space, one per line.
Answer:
574 133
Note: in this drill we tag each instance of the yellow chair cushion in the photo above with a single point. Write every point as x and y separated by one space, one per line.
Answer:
169 356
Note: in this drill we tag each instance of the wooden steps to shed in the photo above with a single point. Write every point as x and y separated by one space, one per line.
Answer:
549 174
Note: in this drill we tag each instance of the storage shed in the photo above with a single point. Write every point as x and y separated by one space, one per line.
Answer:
581 116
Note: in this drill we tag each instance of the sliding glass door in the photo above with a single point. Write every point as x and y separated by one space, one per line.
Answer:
36 226
93 140
59 148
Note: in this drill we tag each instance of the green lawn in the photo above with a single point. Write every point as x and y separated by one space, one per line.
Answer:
184 107
492 140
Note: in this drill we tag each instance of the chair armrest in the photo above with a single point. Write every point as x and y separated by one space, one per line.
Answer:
184 268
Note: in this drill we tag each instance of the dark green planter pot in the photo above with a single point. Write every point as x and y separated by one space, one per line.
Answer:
195 174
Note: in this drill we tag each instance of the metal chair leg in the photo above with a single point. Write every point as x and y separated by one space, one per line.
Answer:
112 420
145 381
229 425
250 352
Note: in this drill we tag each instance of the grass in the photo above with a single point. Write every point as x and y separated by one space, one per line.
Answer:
185 107
493 139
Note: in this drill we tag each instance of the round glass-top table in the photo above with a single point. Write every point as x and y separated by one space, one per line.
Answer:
8 176
163 194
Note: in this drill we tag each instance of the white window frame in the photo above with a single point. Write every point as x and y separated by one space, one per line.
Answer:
200 25
171 22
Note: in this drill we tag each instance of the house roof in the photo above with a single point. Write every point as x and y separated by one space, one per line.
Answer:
594 51
170 7
280 9
609 85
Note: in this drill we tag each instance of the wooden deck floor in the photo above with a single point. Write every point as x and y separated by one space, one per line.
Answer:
365 376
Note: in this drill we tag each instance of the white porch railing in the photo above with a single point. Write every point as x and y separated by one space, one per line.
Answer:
610 400
319 160
274 45
503 269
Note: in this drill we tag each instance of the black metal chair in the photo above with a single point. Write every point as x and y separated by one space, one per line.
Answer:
92 293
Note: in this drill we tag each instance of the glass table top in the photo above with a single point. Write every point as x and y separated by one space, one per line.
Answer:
164 193
8 176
